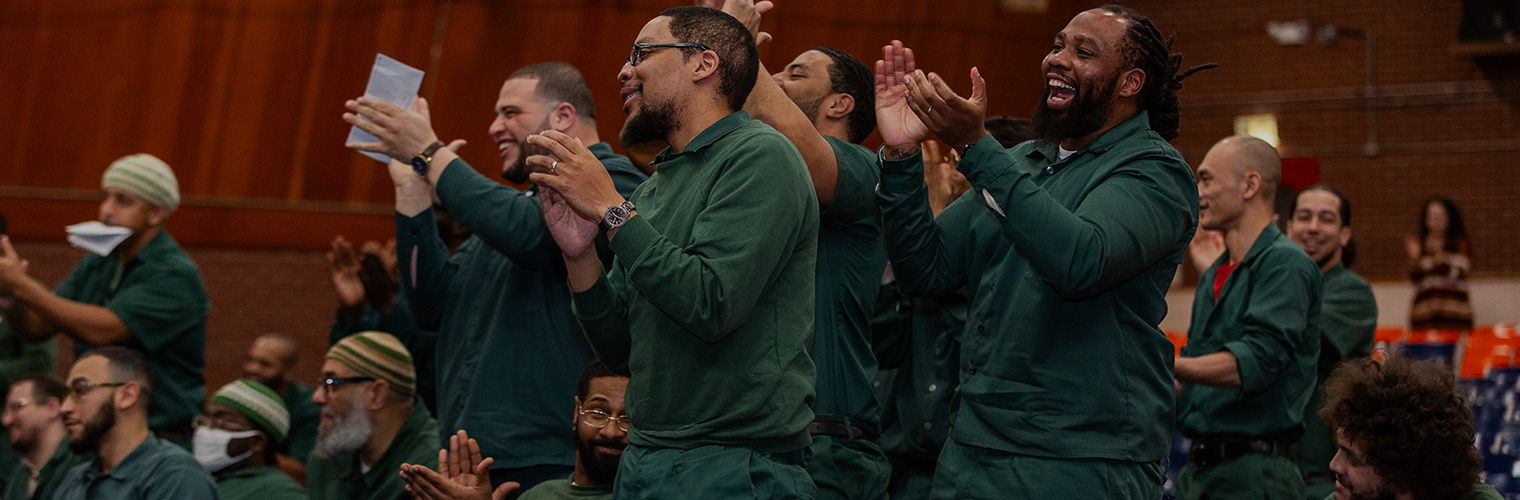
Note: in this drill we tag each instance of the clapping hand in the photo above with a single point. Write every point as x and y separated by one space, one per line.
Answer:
462 475
901 129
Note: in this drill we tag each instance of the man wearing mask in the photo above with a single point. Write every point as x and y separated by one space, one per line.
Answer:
237 439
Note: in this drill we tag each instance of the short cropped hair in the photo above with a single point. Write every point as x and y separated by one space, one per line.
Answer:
560 82
44 387
847 75
127 365
1345 202
594 370
1411 423
738 61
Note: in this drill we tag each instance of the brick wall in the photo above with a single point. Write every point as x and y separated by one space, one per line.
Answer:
1445 124
252 292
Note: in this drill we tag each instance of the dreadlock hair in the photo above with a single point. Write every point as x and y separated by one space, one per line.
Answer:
847 75
1151 53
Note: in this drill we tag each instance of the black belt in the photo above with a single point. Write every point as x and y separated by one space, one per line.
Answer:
1209 452
842 428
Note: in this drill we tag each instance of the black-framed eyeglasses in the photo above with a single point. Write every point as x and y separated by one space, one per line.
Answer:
327 384
599 419
79 388
219 423
642 49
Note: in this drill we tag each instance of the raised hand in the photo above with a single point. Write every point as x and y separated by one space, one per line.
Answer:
746 11
574 172
1206 248
574 234
344 264
462 474
402 133
958 121
901 130
379 282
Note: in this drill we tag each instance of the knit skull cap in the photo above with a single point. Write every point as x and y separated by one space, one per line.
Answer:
379 355
257 402
145 176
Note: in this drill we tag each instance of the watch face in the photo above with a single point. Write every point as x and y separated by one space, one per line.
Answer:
419 165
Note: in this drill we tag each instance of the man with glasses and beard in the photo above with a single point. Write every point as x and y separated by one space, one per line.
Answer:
371 422
601 434
1066 249
106 413
34 419
505 287
710 294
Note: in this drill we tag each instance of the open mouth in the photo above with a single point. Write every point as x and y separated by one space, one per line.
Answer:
505 147
1058 92
629 94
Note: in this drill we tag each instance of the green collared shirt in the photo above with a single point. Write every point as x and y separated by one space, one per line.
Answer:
850 262
562 489
48 478
709 303
1348 323
161 298
1067 264
501 307
259 483
304 419
341 478
919 350
155 470
1267 315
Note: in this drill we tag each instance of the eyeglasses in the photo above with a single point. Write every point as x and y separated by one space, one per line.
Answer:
599 419
17 405
642 49
79 388
219 423
327 384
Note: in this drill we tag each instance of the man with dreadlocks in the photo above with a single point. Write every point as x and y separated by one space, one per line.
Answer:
1066 247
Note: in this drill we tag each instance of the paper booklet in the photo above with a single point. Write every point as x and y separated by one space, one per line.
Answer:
392 82
96 237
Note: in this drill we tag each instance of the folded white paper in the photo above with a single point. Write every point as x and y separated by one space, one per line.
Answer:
392 82
96 237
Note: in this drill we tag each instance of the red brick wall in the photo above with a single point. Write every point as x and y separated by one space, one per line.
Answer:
252 292
1446 124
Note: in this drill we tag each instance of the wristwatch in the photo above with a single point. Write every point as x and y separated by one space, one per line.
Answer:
421 160
616 216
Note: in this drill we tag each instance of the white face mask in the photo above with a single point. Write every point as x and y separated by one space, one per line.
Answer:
210 447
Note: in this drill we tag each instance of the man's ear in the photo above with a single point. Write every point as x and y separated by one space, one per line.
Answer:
706 67
157 215
128 395
1250 185
1345 237
562 118
1132 82
377 394
839 106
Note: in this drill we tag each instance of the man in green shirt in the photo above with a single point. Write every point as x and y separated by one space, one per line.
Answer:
145 294
601 435
823 102
33 418
238 438
1065 246
1247 370
1403 431
19 359
509 350
106 413
710 295
1320 222
270 359
371 421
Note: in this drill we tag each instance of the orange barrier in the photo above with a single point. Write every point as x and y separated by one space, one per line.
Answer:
1489 347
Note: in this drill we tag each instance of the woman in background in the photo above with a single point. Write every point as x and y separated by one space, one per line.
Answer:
1438 265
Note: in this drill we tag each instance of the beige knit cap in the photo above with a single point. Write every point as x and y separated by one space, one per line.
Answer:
145 176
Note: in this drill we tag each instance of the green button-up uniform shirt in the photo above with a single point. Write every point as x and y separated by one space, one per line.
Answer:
709 303
161 298
155 470
918 346
304 419
259 483
340 478
48 478
1267 315
1067 263
1348 323
561 489
19 358
509 352
850 262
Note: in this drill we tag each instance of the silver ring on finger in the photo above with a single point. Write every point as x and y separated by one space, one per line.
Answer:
930 111
553 166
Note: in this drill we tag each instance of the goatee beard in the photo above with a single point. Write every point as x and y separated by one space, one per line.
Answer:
1086 114
599 469
90 436
654 122
517 172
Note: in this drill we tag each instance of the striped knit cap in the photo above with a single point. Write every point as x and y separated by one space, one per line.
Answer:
257 402
379 355
145 176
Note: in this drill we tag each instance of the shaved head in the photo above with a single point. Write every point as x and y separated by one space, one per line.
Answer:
1249 154
287 348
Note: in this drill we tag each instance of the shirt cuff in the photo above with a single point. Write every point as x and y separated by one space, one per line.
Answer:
1247 366
633 240
983 153
593 304
901 175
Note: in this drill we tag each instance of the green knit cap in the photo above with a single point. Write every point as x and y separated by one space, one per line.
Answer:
145 176
379 355
257 402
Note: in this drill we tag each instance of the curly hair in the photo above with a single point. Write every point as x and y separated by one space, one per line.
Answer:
1456 231
1413 426
1148 50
